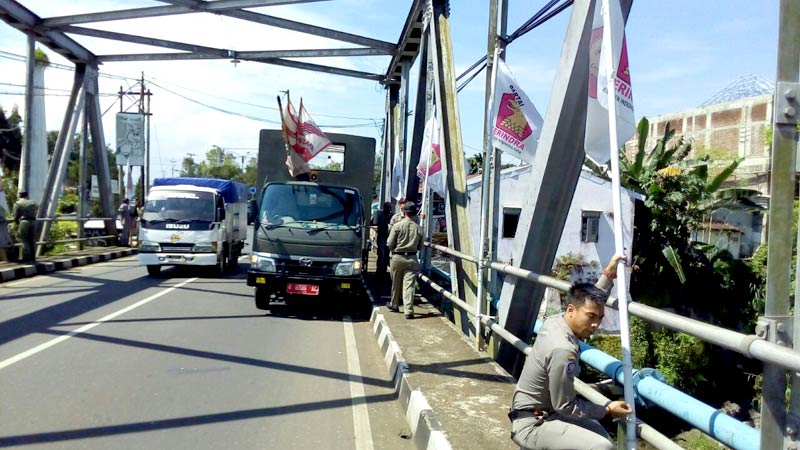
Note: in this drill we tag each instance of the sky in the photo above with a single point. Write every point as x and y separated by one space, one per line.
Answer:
681 53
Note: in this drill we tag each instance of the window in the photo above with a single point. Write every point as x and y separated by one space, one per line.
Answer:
510 221
590 226
331 159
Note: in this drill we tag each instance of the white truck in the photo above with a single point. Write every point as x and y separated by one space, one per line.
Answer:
193 222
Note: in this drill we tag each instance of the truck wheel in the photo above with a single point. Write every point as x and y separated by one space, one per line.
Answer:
262 299
153 270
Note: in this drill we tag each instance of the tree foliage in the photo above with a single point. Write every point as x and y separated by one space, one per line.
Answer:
220 164
10 139
671 271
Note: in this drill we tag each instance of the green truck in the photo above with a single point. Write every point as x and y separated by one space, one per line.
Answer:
311 238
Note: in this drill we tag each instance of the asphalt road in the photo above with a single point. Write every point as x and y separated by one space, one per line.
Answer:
103 356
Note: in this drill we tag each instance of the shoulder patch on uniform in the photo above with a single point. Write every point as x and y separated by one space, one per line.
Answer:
570 368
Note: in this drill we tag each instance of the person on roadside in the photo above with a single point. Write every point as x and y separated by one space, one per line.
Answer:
545 411
405 240
398 216
25 211
125 214
380 221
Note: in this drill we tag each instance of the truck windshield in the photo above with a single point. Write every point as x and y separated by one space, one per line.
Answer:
287 204
174 206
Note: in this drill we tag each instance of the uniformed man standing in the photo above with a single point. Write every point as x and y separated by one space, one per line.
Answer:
405 239
25 211
398 216
545 412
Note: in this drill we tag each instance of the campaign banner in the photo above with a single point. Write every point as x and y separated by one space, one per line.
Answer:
516 123
597 142
430 162
130 139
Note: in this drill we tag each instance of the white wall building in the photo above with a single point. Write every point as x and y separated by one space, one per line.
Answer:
588 231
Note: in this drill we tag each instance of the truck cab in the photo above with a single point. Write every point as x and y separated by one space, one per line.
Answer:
192 222
310 238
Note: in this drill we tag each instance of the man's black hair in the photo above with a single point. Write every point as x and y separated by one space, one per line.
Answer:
582 293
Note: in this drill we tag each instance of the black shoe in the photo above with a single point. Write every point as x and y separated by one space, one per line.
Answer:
392 308
409 316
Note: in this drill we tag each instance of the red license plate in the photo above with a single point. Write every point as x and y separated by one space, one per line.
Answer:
302 289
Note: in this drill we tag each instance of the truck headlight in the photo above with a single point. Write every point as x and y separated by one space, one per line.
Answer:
149 247
262 263
203 247
348 268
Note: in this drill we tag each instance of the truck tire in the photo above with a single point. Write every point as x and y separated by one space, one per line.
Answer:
262 299
153 270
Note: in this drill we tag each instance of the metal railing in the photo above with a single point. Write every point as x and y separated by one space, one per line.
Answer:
40 243
719 426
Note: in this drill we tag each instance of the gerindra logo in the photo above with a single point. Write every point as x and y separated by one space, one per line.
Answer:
511 119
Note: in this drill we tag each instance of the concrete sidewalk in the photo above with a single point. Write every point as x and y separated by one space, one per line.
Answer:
454 396
45 264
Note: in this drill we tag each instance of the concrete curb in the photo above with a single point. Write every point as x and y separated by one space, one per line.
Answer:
43 267
426 431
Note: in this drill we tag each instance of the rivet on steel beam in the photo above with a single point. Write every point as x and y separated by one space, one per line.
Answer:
790 94
791 430
760 331
780 342
781 327
789 111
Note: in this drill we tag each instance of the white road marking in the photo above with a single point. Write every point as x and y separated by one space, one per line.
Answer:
361 426
41 347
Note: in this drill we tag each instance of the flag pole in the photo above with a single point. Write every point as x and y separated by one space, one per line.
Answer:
283 127
488 151
622 285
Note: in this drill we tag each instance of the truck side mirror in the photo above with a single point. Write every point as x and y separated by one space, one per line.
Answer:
221 213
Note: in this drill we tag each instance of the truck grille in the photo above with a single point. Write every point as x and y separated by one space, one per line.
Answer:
317 268
176 248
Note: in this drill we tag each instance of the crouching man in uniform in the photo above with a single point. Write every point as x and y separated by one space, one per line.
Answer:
545 412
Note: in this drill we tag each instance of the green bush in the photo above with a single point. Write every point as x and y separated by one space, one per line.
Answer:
68 203
682 359
60 231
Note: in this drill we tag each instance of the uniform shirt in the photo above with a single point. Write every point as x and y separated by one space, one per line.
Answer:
397 217
547 380
405 236
25 208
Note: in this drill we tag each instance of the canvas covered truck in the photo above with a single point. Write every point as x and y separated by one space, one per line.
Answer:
311 238
193 222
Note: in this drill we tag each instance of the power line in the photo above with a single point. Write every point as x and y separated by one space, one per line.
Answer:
373 123
534 21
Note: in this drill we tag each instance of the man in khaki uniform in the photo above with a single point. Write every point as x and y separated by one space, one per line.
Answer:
545 412
25 211
405 239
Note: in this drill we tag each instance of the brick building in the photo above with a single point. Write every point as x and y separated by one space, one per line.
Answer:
732 123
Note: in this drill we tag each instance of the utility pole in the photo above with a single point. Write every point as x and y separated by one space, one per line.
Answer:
144 110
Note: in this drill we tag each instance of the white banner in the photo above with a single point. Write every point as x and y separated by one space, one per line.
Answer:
597 141
516 122
130 139
430 161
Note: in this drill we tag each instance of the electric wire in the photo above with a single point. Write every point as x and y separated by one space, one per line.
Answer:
534 21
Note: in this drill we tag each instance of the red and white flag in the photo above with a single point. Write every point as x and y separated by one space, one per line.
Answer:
597 142
303 136
516 123
430 164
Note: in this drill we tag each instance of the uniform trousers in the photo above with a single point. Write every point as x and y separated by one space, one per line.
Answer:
27 235
558 432
404 279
